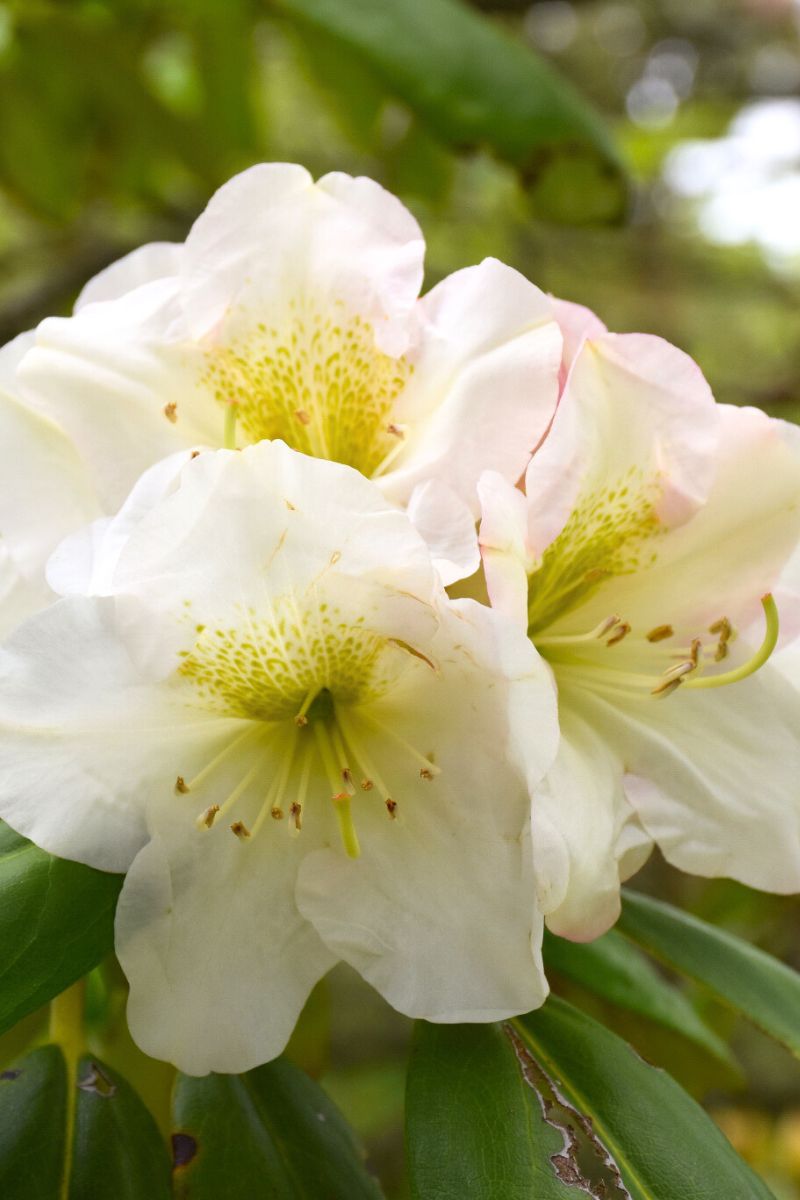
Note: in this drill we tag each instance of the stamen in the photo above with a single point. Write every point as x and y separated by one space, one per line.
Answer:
409 749
301 720
347 829
367 785
170 411
278 785
180 785
238 791
276 813
758 659
599 631
622 631
673 676
219 758
207 818
425 773
359 752
229 433
240 829
295 818
346 773
660 633
391 808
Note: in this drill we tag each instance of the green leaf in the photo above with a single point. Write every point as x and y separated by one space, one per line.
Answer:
271 1132
474 1126
474 86
612 968
33 1106
755 984
627 1124
56 923
118 1153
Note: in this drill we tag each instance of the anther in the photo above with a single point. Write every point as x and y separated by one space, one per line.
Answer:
206 819
302 416
240 830
181 785
622 631
396 430
170 411
276 813
301 720
295 817
667 688
391 807
195 454
425 773
347 775
367 785
757 660
659 633
694 653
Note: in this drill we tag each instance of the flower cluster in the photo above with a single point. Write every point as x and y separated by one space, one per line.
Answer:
353 625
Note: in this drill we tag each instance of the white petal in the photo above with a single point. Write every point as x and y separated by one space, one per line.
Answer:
713 776
156 260
109 375
84 737
448 527
582 825
271 234
439 911
219 960
45 494
485 382
632 403
504 551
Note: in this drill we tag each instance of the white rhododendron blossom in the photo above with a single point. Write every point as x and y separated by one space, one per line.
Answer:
298 748
292 311
45 493
640 559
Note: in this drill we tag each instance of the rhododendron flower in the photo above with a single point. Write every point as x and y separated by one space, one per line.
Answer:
299 750
44 494
292 312
640 560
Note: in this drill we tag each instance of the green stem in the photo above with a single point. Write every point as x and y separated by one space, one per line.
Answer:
66 1030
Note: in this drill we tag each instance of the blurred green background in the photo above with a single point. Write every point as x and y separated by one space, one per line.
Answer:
667 199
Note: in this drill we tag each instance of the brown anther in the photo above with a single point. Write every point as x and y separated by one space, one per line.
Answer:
395 431
240 830
195 454
721 651
694 653
181 785
659 633
209 816
425 773
347 775
296 815
367 785
171 411
276 813
301 721
302 416
666 688
340 797
723 627
622 631
391 807
680 669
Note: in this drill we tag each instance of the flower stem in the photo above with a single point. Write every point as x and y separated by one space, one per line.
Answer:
66 1030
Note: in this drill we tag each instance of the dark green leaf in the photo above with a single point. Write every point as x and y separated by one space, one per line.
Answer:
474 1126
612 968
33 1095
56 923
627 1124
271 1134
118 1152
474 86
754 983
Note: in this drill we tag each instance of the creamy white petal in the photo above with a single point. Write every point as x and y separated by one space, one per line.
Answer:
448 527
85 737
484 384
156 260
636 413
713 776
576 323
582 826
45 494
438 913
219 959
504 551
